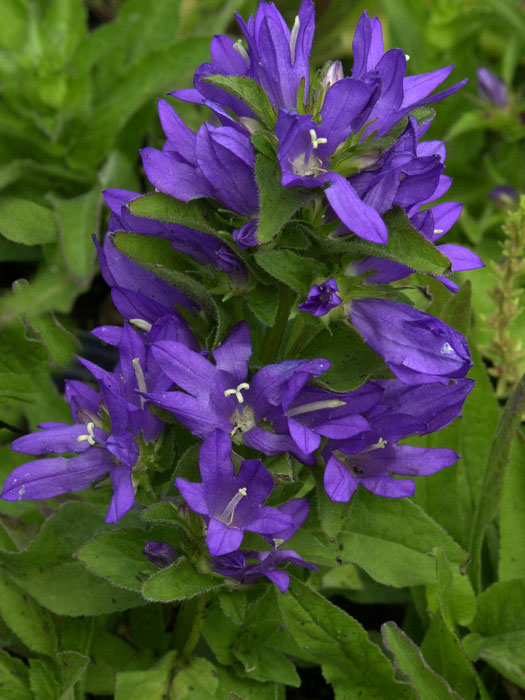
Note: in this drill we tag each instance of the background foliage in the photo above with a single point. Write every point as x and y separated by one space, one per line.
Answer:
414 598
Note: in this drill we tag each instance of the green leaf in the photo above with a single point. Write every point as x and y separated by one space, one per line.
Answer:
60 344
128 90
294 270
405 245
231 687
24 221
135 246
505 653
77 222
197 681
14 678
264 302
178 582
50 290
325 634
111 655
31 623
512 515
153 684
352 361
452 595
47 571
118 557
442 651
277 204
490 493
233 605
409 660
161 207
391 539
250 92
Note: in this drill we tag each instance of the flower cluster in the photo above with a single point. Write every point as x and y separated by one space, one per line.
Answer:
353 145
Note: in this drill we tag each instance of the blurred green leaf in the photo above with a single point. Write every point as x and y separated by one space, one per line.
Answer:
14 677
24 221
512 515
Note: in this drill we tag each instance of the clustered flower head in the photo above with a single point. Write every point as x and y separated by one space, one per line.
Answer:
352 147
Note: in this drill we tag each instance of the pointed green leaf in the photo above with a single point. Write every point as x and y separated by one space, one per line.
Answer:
161 207
277 204
250 92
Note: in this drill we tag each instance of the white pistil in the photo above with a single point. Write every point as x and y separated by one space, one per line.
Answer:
240 49
237 392
141 380
90 437
293 38
141 323
446 349
407 57
316 141
315 406
227 514
438 230
379 445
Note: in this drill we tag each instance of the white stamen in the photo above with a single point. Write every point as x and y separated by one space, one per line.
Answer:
90 436
237 392
141 380
227 514
21 492
141 323
240 49
316 141
315 406
407 57
446 349
293 38
438 230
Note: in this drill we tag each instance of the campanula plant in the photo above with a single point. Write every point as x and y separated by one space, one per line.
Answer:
279 420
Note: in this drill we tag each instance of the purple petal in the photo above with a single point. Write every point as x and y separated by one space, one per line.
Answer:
389 488
346 101
187 369
123 494
124 448
280 578
180 137
53 476
339 484
271 444
234 354
417 87
81 399
55 440
194 495
359 217
191 412
420 461
461 258
171 176
306 440
221 539
445 216
367 45
217 470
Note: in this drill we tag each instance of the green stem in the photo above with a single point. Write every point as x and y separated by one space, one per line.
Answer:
188 626
491 489
274 335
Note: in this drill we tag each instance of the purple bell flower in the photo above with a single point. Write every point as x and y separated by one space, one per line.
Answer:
491 88
248 566
217 162
322 298
373 456
417 347
232 503
97 453
160 553
219 396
